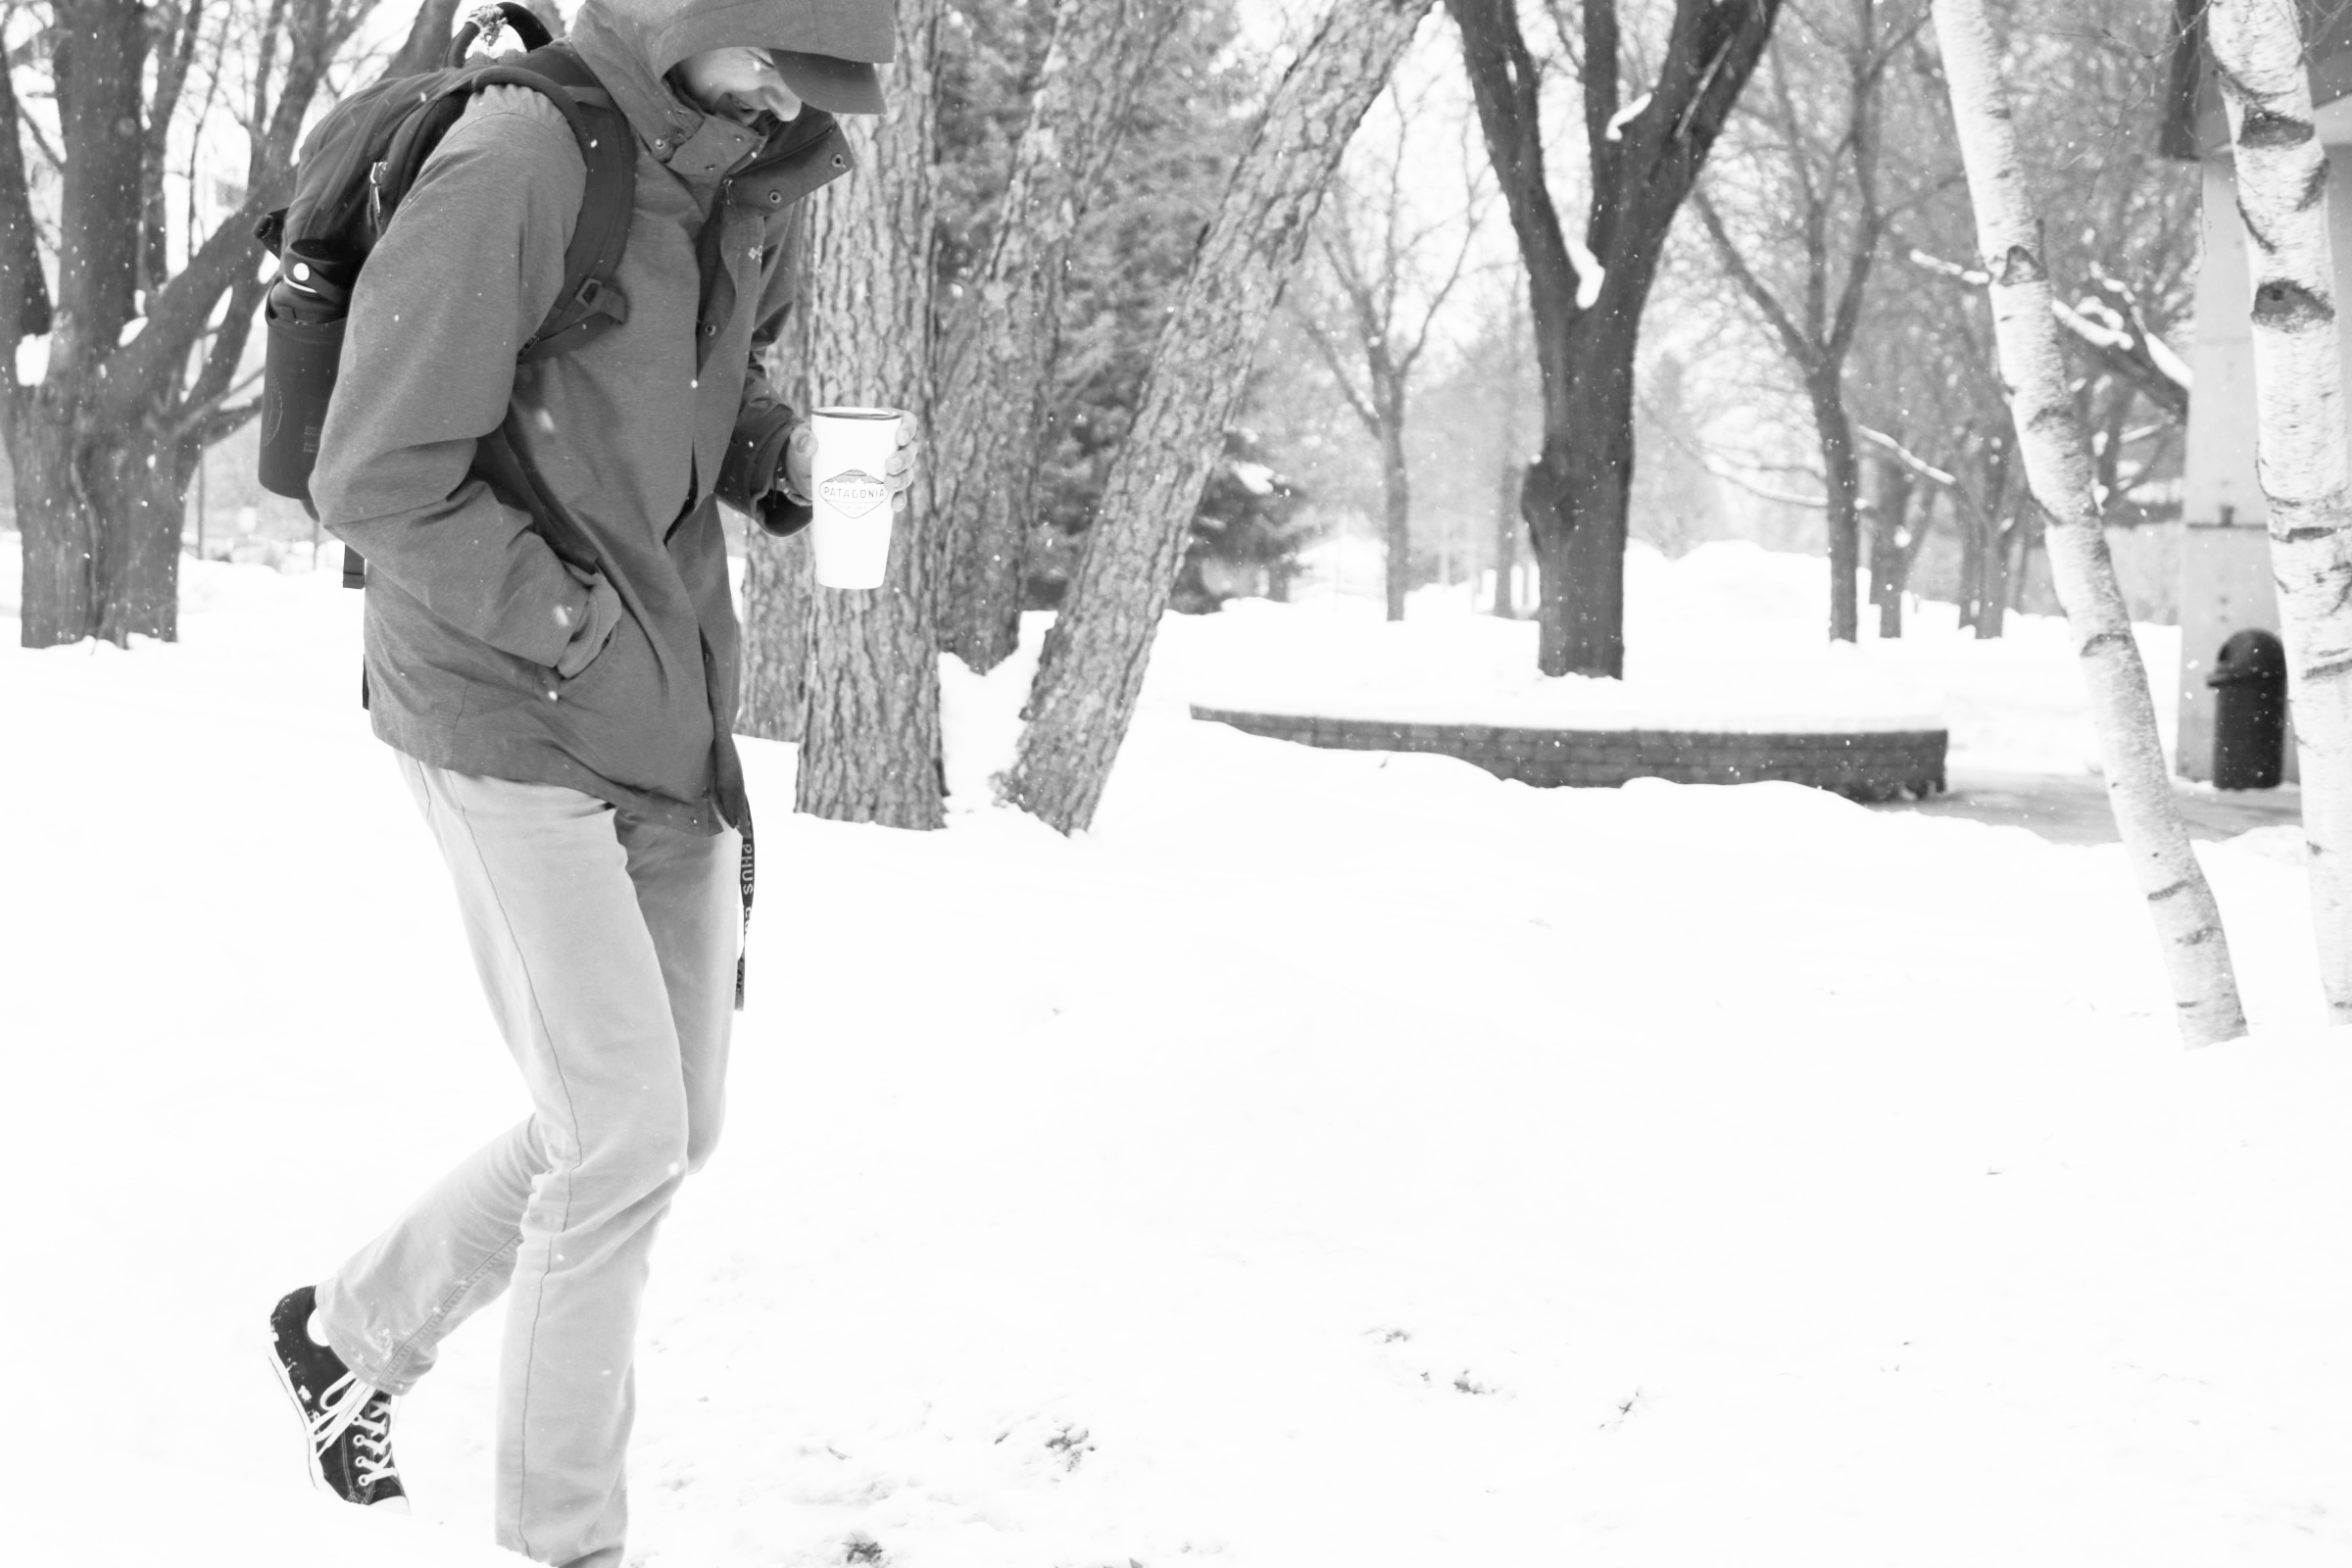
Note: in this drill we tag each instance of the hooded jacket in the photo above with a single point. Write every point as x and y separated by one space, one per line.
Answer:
637 434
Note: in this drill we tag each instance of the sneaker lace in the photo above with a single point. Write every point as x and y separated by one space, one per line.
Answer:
371 1440
342 1404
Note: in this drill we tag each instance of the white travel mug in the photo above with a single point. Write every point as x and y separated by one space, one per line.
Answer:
851 480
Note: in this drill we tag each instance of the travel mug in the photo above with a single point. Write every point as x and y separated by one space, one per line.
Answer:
851 480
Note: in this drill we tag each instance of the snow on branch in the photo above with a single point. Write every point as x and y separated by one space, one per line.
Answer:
1589 274
1944 269
1908 459
1624 118
2108 321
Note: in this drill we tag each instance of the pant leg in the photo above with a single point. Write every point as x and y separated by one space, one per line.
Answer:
693 909
388 1309
577 964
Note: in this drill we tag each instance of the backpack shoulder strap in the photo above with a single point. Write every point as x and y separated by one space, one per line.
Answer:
587 303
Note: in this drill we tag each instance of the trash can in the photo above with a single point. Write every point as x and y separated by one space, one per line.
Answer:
2249 712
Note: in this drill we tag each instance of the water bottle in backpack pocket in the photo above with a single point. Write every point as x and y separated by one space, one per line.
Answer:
304 318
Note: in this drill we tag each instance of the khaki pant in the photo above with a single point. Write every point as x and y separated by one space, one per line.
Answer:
607 945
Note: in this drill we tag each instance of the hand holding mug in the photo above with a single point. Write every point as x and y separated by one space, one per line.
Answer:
799 463
901 471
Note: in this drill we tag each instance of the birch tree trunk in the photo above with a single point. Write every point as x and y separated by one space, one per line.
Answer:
992 406
1093 660
2299 396
869 717
2056 450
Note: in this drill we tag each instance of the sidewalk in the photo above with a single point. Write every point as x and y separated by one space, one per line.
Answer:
2072 809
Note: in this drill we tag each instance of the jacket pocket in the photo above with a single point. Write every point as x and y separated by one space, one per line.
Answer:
623 717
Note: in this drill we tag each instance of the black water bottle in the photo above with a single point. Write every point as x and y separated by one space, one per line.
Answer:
304 315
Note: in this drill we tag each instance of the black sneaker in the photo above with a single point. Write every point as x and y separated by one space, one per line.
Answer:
346 1422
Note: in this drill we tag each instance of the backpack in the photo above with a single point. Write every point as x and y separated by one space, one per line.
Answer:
355 168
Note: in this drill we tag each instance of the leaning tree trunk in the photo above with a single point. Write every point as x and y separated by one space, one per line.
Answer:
2299 396
992 391
869 717
1094 659
2056 450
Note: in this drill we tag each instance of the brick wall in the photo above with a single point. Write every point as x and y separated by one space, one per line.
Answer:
1868 765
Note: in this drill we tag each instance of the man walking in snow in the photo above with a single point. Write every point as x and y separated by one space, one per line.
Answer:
567 732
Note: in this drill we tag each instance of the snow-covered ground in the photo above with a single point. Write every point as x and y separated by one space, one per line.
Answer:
1333 1159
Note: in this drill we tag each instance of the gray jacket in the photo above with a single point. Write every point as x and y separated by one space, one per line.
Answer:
637 434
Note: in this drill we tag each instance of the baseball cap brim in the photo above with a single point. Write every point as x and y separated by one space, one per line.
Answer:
835 86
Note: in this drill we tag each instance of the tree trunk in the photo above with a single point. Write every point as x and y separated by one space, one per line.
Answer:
2056 450
1983 538
1890 560
1842 486
81 578
992 391
1507 520
779 594
2023 538
1587 326
2299 396
1992 582
104 447
870 721
1970 589
1508 524
1397 500
779 582
1575 502
1093 660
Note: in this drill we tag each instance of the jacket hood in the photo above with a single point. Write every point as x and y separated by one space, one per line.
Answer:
631 44
658 34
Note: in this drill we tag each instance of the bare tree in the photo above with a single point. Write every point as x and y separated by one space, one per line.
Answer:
1809 214
142 369
870 721
2299 392
1392 271
1093 663
2085 74
995 376
1587 292
2056 449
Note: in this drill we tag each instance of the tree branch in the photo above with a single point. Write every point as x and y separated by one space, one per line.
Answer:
1799 347
2123 345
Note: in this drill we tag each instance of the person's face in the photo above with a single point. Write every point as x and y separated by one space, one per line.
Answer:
740 85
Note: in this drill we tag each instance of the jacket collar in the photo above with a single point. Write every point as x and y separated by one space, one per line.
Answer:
698 146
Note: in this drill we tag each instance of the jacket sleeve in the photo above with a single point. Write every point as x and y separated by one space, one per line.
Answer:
465 271
765 422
